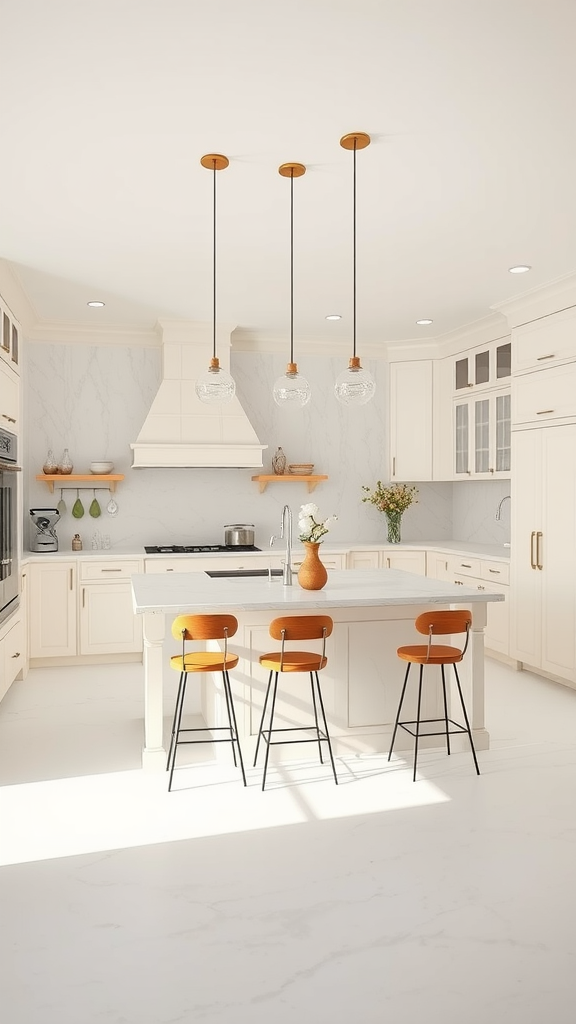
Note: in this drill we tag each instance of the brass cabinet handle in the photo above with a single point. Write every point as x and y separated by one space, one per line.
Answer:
71 579
542 412
497 571
387 563
394 466
481 587
532 562
9 418
465 565
539 536
17 655
83 596
551 356
120 570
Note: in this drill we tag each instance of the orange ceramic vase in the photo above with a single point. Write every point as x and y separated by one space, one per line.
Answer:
312 573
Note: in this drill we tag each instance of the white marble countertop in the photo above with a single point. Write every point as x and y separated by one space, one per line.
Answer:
195 591
492 551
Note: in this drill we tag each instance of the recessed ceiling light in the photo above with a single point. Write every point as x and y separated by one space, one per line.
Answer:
519 270
333 316
96 302
424 321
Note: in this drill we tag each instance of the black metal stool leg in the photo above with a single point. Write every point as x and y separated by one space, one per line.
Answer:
417 722
269 730
176 706
468 729
230 726
319 738
445 708
233 724
175 748
399 709
262 718
326 728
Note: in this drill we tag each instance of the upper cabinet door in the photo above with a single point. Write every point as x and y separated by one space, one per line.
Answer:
411 420
484 367
549 340
482 436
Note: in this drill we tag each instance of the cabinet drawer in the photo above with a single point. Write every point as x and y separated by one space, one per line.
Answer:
464 566
495 572
109 571
13 645
549 395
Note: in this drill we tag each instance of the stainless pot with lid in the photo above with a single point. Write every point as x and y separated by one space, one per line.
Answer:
239 535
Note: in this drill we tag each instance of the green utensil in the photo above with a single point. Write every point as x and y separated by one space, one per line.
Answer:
78 507
61 506
95 509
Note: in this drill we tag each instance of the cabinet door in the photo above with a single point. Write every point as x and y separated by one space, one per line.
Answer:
546 396
437 566
108 624
363 559
52 609
411 420
11 656
409 561
526 521
548 340
556 552
482 433
9 398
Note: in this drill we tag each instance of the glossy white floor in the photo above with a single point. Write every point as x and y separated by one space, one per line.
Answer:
450 900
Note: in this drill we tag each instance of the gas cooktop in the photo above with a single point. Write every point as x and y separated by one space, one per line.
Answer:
196 549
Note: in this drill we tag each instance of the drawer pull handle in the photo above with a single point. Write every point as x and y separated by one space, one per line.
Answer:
542 412
9 418
532 562
464 565
118 570
497 571
481 588
540 358
17 655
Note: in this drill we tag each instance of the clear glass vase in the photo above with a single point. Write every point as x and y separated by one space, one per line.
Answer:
394 523
65 466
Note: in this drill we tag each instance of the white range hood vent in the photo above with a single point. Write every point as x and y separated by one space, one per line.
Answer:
180 431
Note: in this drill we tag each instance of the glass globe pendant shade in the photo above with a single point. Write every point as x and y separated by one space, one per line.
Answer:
216 385
354 386
292 389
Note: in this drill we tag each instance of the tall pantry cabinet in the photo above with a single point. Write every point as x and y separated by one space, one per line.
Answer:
543 508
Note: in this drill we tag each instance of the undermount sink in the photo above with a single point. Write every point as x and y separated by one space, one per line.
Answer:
231 573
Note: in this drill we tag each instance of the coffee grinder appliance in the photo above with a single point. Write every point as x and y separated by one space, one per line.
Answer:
44 521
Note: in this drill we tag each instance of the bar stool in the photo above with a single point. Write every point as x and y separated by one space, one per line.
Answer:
288 629
435 623
204 627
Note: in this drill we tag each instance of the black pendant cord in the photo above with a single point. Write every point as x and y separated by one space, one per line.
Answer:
214 269
354 257
292 265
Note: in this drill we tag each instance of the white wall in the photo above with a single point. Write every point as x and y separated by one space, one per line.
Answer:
93 400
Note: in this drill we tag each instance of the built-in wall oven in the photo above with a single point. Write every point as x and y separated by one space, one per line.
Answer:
9 567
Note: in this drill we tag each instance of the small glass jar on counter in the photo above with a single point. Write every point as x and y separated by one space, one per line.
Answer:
76 542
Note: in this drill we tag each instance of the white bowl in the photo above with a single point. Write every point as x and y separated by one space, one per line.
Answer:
101 467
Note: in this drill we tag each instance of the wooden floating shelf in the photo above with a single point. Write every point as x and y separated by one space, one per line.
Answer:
263 481
73 479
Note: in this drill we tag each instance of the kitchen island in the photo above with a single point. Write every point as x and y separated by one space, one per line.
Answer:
373 612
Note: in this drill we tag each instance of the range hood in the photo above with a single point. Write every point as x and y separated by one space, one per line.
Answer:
182 432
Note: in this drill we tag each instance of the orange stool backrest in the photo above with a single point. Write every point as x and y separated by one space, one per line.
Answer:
438 623
301 627
204 627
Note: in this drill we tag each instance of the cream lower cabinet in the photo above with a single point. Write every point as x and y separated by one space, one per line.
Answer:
482 574
335 561
83 608
52 607
543 517
388 558
12 653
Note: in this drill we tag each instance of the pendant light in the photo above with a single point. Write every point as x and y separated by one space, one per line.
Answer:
292 389
354 386
216 385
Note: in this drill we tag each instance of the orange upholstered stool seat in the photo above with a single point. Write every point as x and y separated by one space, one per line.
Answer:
288 629
435 624
190 628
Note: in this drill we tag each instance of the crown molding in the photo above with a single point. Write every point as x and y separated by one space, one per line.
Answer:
70 333
538 302
15 298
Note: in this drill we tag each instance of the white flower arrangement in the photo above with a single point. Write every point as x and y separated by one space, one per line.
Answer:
312 529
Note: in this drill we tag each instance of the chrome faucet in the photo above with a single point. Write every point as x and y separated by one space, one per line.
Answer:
287 573
498 515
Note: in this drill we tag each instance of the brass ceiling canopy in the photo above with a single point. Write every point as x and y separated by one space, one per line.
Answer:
214 161
292 170
355 140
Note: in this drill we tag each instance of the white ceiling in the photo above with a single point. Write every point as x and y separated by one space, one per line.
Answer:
108 106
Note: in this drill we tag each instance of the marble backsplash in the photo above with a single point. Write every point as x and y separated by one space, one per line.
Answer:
93 400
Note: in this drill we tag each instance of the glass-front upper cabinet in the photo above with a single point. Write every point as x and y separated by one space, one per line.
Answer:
483 367
482 436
